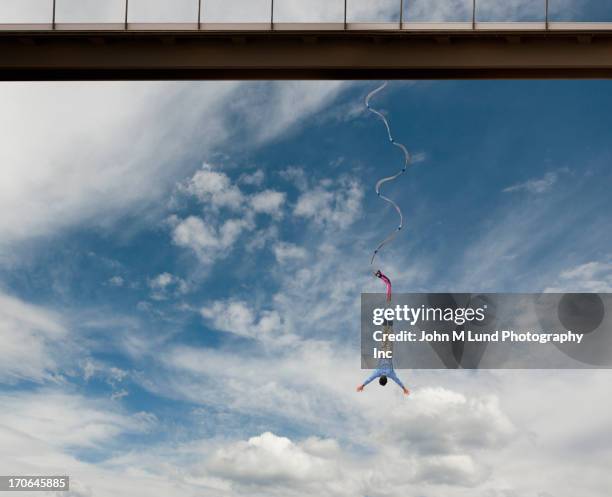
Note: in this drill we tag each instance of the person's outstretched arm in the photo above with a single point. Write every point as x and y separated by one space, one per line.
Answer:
395 378
372 377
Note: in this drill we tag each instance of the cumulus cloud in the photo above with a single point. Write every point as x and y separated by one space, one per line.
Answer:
194 233
454 470
296 176
331 204
439 437
238 318
206 241
165 285
212 236
254 179
442 421
214 188
271 464
268 459
286 252
268 202
161 281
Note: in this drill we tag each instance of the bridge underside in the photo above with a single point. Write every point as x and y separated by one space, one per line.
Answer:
167 53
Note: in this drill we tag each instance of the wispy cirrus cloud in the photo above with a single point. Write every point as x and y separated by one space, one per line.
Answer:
593 276
77 421
32 339
535 185
73 176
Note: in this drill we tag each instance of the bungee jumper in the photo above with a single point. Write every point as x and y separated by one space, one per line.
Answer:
385 369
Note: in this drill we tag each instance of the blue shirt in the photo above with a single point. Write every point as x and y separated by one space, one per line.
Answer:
385 367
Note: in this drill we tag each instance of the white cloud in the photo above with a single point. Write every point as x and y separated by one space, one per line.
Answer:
194 233
535 185
268 202
594 276
122 145
586 271
473 445
333 205
210 237
286 252
280 105
231 230
40 430
32 338
110 374
165 285
441 438
161 281
262 238
214 189
442 421
89 369
296 176
269 460
454 470
238 318
119 394
209 242
116 281
290 382
116 375
67 420
81 176
418 157
255 179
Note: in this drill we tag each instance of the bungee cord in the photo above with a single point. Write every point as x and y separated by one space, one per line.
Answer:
384 180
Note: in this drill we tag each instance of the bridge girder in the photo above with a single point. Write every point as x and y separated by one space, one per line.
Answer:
236 54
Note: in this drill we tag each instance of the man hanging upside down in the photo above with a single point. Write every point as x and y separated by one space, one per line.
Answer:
385 365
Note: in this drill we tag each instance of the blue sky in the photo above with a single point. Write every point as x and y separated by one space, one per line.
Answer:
181 264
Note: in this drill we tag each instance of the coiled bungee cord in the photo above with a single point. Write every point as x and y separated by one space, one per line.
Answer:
384 180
